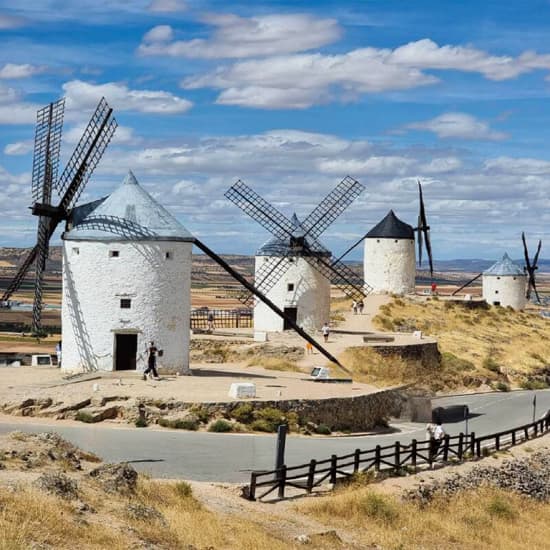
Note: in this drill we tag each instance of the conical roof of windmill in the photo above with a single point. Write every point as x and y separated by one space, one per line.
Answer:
391 227
127 214
282 247
504 268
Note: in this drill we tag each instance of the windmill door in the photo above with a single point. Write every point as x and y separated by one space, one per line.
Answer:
125 351
291 312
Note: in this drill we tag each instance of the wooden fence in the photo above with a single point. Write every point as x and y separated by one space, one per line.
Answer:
223 318
392 458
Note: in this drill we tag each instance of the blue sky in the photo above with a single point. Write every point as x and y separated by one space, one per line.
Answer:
291 97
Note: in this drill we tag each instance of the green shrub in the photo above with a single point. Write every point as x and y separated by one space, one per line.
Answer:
243 413
141 422
502 386
183 489
220 426
323 429
83 416
201 413
180 424
533 385
378 508
454 363
501 508
489 363
262 426
270 418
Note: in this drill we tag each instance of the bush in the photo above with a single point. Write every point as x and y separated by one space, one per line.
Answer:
262 426
378 508
220 426
83 416
243 413
323 429
502 386
500 508
271 418
183 489
201 413
141 422
533 385
180 424
489 363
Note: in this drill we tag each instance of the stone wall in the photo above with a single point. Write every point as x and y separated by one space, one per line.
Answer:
427 353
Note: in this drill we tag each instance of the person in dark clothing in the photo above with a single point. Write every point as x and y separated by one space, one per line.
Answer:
151 361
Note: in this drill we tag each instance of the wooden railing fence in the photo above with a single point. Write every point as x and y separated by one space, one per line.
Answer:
392 458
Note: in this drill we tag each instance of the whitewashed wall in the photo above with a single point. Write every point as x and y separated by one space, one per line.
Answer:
311 296
509 290
390 265
93 285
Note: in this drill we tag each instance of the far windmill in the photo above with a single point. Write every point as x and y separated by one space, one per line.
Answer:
389 260
531 268
68 187
293 269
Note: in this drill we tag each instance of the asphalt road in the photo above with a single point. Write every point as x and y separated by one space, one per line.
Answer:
230 457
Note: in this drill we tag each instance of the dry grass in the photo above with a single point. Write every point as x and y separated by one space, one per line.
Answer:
481 519
273 363
497 341
31 519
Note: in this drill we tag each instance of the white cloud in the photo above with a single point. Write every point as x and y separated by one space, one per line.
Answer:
18 148
84 95
13 109
160 33
460 126
167 6
13 71
301 80
518 166
248 37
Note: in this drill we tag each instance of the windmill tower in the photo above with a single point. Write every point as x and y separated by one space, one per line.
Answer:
389 261
293 269
68 187
504 284
126 281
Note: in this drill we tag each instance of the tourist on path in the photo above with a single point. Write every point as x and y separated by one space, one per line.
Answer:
326 331
309 348
152 351
360 306
58 353
354 307
210 320
438 436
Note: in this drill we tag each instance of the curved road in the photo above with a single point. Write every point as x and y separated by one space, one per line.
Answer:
230 457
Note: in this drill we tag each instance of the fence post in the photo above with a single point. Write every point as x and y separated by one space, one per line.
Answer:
413 453
460 445
526 432
431 452
333 465
472 443
377 458
478 448
536 426
397 457
513 438
446 448
282 481
252 489
356 459
311 475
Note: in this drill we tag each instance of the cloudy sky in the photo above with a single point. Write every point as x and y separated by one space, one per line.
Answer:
291 97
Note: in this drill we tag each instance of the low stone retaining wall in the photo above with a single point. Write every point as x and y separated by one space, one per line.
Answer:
427 353
356 414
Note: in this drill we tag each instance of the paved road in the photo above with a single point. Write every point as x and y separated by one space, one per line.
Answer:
229 458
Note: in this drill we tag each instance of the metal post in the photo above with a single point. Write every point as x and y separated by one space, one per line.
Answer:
534 406
281 442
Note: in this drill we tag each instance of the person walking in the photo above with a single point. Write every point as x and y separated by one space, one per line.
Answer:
309 348
360 306
58 353
326 331
354 307
437 438
152 351
210 320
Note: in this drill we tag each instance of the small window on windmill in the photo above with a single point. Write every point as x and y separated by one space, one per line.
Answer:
377 240
114 253
515 278
76 251
290 287
290 260
168 255
125 303
498 278
496 291
395 241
